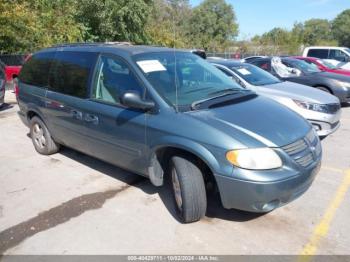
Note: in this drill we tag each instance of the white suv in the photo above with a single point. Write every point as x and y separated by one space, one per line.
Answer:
336 55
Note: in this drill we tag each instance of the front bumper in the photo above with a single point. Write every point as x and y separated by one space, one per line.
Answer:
324 129
255 196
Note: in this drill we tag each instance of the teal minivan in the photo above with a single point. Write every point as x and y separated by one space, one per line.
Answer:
170 116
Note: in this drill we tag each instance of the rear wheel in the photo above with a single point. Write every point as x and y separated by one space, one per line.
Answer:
41 137
188 189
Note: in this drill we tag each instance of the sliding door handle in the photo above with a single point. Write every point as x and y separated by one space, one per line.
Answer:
77 114
91 119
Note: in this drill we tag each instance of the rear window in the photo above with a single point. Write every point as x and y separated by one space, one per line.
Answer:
35 70
319 53
71 73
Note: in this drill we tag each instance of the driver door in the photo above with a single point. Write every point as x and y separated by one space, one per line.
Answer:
117 133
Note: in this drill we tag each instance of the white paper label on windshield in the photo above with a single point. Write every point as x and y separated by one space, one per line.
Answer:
244 71
151 66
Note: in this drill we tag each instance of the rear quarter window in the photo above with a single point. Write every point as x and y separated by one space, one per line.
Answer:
319 53
36 70
71 73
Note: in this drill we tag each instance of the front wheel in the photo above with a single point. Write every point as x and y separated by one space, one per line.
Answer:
188 189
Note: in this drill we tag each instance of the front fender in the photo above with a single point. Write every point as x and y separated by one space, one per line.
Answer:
214 157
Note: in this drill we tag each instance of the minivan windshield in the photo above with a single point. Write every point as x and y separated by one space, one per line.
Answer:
303 66
182 78
254 75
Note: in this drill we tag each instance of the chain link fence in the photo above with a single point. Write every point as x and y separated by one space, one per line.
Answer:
239 52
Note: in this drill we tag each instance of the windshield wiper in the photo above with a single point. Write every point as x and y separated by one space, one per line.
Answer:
228 91
221 93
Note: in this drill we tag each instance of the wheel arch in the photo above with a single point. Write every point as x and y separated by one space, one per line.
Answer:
324 86
162 153
31 112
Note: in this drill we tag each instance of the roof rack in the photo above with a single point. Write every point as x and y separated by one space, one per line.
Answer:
92 44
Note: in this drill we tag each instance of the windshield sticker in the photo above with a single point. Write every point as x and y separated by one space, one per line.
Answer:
148 66
244 71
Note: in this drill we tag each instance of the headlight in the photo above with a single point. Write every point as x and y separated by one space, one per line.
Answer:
314 107
254 158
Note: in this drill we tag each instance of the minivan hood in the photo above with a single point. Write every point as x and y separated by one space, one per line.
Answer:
298 92
260 119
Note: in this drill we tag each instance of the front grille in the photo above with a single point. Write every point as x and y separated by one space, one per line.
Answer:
305 160
306 150
333 108
295 147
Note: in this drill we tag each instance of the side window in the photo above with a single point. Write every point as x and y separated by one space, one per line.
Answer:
71 73
338 55
318 53
113 79
35 70
263 65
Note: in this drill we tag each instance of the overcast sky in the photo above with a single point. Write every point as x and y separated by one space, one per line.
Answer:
259 16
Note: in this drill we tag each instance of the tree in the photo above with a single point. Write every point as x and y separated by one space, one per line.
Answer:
28 25
316 31
277 36
167 23
115 20
212 24
341 28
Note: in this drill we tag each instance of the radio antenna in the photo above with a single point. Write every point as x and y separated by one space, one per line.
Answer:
175 66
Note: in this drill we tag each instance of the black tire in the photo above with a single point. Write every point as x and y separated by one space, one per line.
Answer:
41 137
325 89
193 204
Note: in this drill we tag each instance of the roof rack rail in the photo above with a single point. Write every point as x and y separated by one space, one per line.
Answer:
92 44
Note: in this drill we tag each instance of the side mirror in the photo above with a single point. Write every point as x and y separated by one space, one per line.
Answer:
296 72
132 99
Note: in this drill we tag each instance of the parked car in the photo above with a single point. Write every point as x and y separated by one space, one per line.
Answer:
13 65
323 65
169 114
294 70
251 58
322 110
338 56
2 84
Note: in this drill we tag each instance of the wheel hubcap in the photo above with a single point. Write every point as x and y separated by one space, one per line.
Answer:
38 136
177 189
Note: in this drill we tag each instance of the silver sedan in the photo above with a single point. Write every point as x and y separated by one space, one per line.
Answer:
323 110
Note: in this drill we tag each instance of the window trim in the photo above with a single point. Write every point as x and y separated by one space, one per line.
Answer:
95 76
